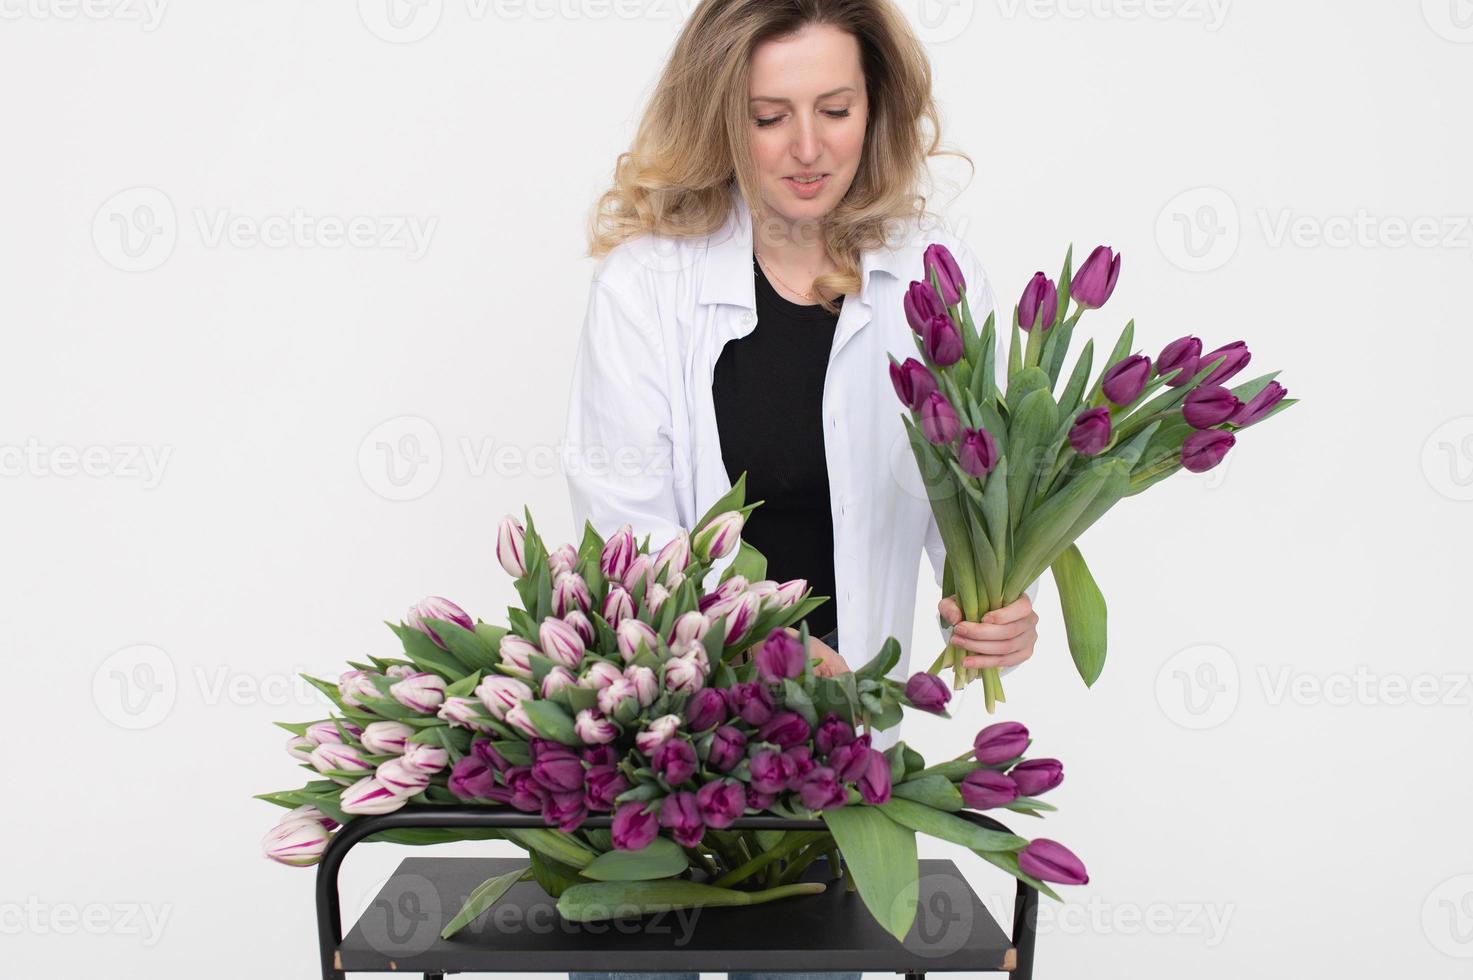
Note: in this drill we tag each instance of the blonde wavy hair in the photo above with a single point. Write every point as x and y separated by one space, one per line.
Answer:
693 140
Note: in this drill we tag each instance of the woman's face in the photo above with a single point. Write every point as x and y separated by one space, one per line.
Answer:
807 116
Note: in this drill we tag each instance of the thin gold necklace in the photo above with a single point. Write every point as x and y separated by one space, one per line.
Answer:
768 268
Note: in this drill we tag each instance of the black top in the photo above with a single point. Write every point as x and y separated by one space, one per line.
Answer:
768 389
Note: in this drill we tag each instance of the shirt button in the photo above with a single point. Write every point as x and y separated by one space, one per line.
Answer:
749 318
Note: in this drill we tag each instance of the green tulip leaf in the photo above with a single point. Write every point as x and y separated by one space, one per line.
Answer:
482 898
660 858
1084 613
948 827
881 855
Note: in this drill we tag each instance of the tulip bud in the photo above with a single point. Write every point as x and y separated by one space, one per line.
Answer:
296 842
717 539
425 758
369 797
1126 379
977 454
355 685
556 679
939 422
613 695
594 729
511 538
646 686
728 747
1049 860
913 381
399 671
689 626
561 642
785 728
1000 742
437 607
300 747
821 790
674 557
1039 303
941 341
1037 776
655 598
499 694
386 737
422 692
939 259
683 675
682 815
464 713
1259 405
1205 449
333 757
1209 405
1182 353
984 789
584 626
564 559
631 634
328 731
727 592
921 303
1237 355
1095 280
742 617
516 654
781 656
633 828
570 592
927 692
618 554
874 782
657 733
309 812
721 802
400 779
618 606
674 760
791 591
1090 433
705 710
640 569
517 717
751 701
600 675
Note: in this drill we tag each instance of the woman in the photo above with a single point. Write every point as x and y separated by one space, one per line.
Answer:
756 248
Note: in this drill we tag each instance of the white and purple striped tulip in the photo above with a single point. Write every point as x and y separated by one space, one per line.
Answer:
683 675
742 617
618 554
610 697
600 675
580 622
657 733
386 737
689 626
618 606
425 758
309 812
674 557
437 607
655 598
767 589
594 729
561 642
557 679
633 632
356 684
718 538
646 686
570 592
423 692
399 671
517 718
300 747
792 591
464 713
499 694
295 842
516 654
727 592
333 757
564 559
641 569
369 797
327 731
400 779
694 651
511 546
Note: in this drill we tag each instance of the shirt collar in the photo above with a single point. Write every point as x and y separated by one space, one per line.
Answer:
729 277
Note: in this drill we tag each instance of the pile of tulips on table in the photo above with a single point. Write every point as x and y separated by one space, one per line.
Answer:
1017 472
623 687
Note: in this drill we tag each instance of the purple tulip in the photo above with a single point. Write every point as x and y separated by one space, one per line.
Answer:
1238 357
1205 449
632 828
675 760
978 453
600 755
437 607
565 811
721 802
770 771
1049 860
1095 280
759 800
728 747
556 766
1090 433
511 546
780 656
1040 296
603 786
921 303
800 763
821 790
705 710
927 692
941 341
1125 379
940 260
785 728
1184 353
1037 776
524 792
1000 742
984 789
833 732
1209 405
1259 405
852 760
913 382
939 422
751 700
682 815
618 553
874 782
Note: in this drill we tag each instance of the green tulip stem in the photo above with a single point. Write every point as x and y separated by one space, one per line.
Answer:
704 860
1034 347
792 843
795 867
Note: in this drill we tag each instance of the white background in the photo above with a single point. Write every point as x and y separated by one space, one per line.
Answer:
1270 780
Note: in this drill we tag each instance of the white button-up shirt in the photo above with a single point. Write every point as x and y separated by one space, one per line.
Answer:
642 441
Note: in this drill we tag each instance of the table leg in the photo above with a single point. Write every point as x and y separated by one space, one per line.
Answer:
1025 930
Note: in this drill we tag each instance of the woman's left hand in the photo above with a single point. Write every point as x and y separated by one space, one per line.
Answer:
1003 638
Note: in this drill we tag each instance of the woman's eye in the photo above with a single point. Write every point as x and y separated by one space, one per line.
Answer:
838 113
768 121
831 113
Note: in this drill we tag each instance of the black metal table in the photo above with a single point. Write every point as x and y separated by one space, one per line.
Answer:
523 933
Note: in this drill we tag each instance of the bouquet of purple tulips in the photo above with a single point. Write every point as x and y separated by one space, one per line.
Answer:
1017 473
624 688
